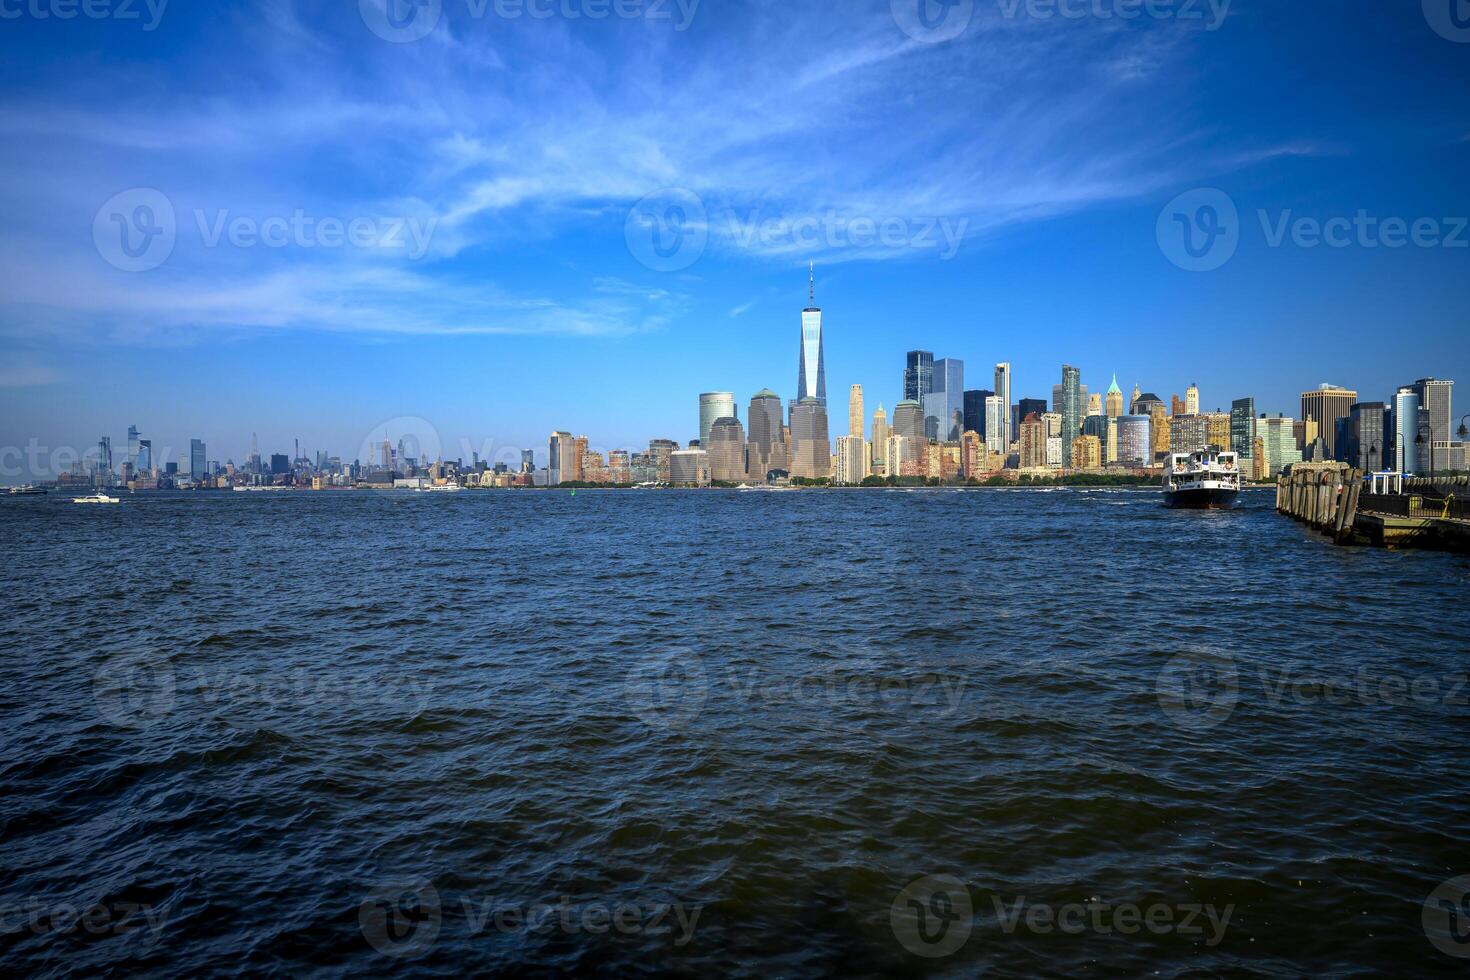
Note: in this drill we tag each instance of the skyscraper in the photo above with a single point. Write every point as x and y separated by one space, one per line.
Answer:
1135 445
133 446
1278 443
1191 399
811 373
918 375
996 418
811 448
1367 436
855 411
1114 400
1003 392
1321 408
1435 398
726 449
196 459
944 405
1071 410
975 411
714 405
908 420
561 456
852 461
767 451
880 436
1243 427
1405 430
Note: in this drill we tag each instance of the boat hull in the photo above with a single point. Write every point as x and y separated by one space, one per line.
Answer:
1201 498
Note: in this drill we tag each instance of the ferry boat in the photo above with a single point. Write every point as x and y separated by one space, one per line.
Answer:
439 488
1202 481
100 497
26 491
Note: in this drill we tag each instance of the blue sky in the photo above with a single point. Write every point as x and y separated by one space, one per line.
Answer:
497 172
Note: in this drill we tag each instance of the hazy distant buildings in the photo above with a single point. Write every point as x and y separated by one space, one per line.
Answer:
196 459
714 405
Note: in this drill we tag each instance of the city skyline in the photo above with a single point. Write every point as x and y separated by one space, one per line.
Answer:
533 268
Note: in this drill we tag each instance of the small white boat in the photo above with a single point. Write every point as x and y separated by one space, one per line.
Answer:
440 488
100 497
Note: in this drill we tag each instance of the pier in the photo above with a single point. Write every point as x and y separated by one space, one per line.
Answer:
1334 499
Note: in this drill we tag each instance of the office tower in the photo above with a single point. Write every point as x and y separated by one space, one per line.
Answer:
880 437
996 425
918 375
1135 444
1277 443
945 403
1191 399
975 401
145 456
1071 410
133 446
1114 399
1367 435
1176 406
1321 408
1243 427
852 460
561 455
528 460
767 451
1406 406
1094 404
1435 398
1003 392
855 411
811 448
1187 434
280 465
689 467
714 405
811 373
1133 401
104 460
196 459
1024 407
908 420
726 449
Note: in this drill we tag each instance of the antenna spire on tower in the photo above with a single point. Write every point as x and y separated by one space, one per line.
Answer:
812 284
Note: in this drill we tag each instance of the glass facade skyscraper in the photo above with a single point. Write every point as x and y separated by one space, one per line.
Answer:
1071 410
975 411
1243 427
918 375
811 373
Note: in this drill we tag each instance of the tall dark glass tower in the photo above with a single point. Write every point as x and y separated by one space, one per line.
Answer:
918 375
811 372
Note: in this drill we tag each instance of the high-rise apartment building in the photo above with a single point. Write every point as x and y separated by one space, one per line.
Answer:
855 411
880 436
1187 434
714 405
997 418
1321 408
811 371
1033 439
1435 399
852 461
1086 453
